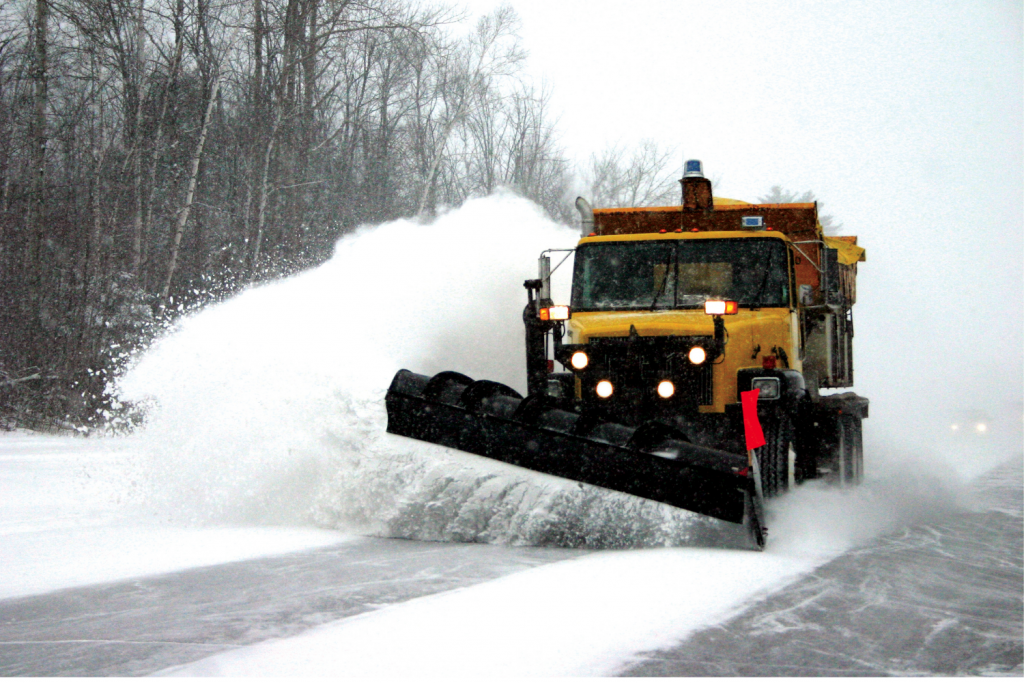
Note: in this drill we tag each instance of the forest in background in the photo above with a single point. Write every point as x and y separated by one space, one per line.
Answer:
157 155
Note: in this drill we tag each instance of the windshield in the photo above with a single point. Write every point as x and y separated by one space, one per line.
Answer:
663 274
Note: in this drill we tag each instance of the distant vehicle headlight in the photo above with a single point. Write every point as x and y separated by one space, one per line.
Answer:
579 360
604 388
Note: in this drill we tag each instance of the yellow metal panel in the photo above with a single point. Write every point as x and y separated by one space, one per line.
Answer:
745 331
848 253
709 235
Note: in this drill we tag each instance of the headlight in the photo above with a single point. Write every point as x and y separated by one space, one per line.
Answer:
604 388
579 360
721 307
697 355
666 388
769 387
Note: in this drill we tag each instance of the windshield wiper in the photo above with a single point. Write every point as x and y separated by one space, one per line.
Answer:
661 289
756 303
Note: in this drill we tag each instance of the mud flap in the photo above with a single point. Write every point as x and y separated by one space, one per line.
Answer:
652 461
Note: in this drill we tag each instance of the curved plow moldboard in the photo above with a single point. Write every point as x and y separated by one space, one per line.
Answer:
489 419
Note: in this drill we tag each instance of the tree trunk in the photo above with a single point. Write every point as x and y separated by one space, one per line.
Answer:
193 178
179 45
264 193
136 248
257 38
38 202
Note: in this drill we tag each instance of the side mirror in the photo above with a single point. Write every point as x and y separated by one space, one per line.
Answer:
544 268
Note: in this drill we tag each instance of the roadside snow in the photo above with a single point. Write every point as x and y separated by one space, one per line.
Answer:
67 519
576 618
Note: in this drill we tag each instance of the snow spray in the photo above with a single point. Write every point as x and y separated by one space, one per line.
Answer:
268 408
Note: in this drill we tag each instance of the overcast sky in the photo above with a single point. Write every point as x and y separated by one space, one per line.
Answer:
905 119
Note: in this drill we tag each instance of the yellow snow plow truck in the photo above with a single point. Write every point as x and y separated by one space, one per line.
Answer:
675 312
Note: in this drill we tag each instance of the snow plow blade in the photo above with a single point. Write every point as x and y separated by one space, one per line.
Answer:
651 461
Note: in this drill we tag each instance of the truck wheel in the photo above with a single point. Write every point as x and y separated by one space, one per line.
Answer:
849 451
773 456
805 443
854 448
804 466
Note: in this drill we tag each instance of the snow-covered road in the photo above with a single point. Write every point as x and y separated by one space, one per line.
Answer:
142 625
940 598
94 586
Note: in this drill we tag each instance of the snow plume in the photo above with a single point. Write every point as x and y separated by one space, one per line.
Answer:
269 407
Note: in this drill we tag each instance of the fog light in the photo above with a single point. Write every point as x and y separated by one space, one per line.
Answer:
769 387
604 388
579 360
666 388
698 355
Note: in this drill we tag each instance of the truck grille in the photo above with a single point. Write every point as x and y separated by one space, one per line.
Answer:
636 364
705 389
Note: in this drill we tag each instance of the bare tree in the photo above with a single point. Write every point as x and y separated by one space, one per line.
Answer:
644 178
492 51
37 207
197 156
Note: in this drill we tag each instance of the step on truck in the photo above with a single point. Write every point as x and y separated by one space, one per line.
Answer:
636 384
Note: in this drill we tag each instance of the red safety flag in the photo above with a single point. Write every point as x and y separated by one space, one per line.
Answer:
751 425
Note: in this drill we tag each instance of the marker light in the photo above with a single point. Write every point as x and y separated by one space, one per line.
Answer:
604 388
721 307
579 360
697 355
555 313
666 388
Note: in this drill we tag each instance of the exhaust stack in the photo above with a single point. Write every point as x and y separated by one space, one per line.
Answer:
696 188
586 216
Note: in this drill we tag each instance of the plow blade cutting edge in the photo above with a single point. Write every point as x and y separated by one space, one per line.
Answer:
651 461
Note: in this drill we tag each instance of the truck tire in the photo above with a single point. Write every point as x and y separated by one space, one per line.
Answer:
859 449
853 449
773 456
849 451
807 444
